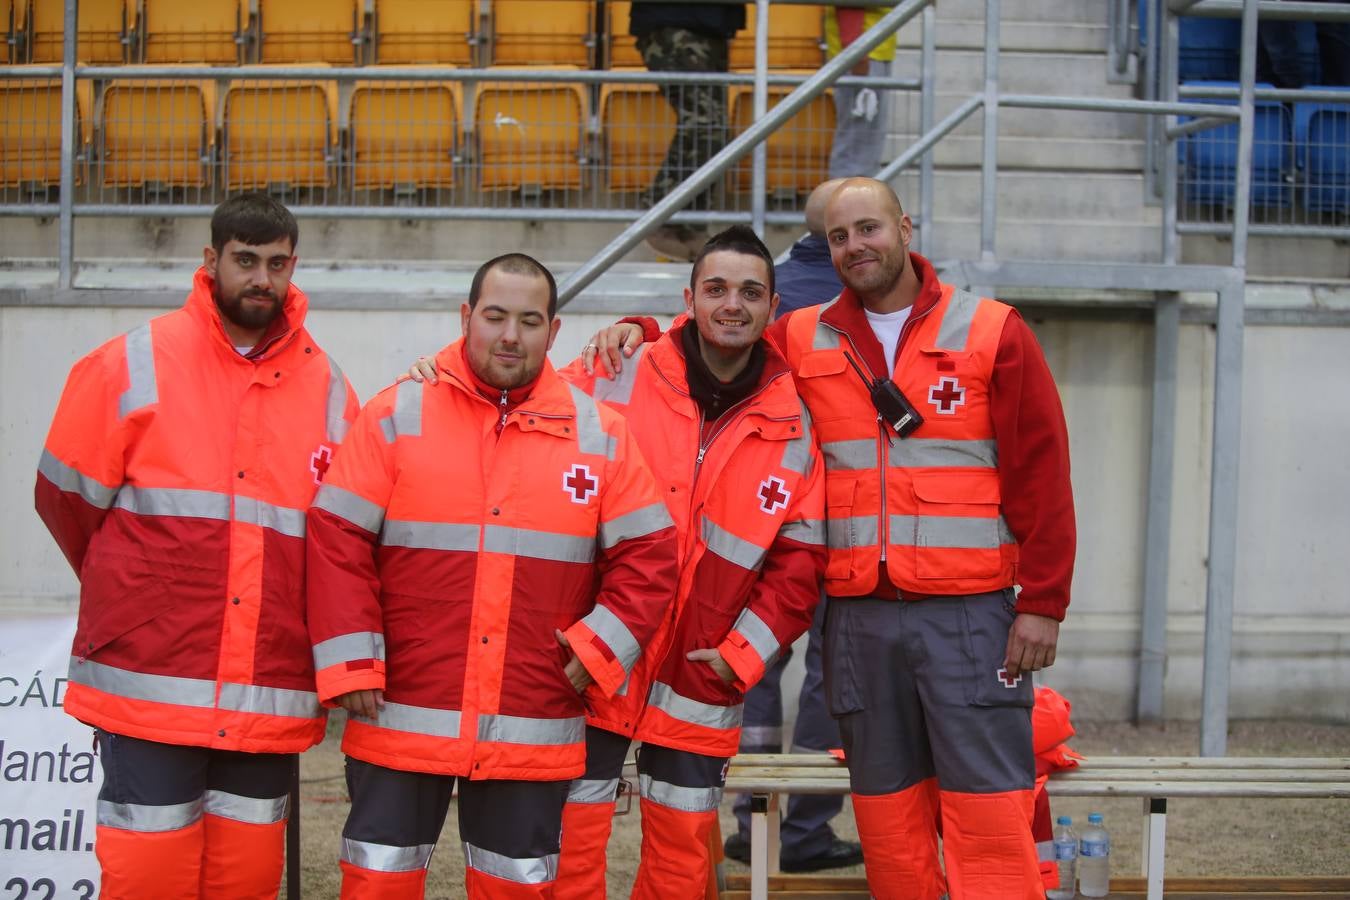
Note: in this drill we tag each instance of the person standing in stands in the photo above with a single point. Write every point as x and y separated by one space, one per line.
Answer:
175 479
860 112
486 562
686 37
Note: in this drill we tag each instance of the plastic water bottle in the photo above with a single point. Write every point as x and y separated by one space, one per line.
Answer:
1094 859
1066 860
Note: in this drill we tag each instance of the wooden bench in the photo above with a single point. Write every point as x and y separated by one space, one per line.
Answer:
1154 779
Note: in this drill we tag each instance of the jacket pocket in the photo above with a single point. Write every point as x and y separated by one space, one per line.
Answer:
118 595
958 531
987 619
840 498
843 688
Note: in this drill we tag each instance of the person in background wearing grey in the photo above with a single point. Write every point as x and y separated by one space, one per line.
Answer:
860 112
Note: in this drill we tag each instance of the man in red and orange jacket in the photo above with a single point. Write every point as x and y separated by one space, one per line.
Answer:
927 644
175 478
479 556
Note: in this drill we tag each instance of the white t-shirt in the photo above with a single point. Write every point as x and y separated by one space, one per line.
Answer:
887 328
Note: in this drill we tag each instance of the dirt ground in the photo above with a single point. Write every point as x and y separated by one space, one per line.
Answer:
1204 837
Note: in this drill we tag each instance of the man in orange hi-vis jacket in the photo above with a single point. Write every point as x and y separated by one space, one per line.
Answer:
175 478
487 559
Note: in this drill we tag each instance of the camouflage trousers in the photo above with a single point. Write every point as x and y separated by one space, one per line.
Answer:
700 110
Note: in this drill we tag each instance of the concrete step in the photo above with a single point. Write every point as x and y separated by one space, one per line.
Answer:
1042 12
968 34
1022 72
1061 153
1100 241
1038 195
1045 124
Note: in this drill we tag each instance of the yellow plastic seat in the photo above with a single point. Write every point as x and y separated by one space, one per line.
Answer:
622 52
636 124
307 31
404 133
99 31
796 36
425 31
279 133
530 134
542 32
200 31
797 155
30 130
158 131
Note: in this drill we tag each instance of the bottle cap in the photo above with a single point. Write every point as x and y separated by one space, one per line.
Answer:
1095 818
1064 820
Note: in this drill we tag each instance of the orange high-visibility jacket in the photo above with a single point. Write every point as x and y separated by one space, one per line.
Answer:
926 505
175 479
748 505
443 555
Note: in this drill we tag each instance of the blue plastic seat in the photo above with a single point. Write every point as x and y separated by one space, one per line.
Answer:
1209 158
1209 49
1322 153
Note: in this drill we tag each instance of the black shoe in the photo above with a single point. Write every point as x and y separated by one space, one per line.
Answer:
737 847
839 854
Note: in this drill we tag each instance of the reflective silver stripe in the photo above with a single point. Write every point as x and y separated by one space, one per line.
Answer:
955 328
385 858
620 390
760 636
252 810
406 418
69 479
610 629
145 818
638 523
533 870
568 548
281 519
430 535
664 698
797 455
346 647
591 436
500 729
270 701
416 720
966 532
354 508
674 796
825 338
174 502
755 736
806 531
858 531
733 549
335 422
593 790
141 388
924 453
857 454
139 686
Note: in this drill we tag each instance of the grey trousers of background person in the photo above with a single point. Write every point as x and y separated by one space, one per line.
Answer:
858 144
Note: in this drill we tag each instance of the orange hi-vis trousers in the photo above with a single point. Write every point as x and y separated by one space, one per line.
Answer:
190 823
588 817
680 792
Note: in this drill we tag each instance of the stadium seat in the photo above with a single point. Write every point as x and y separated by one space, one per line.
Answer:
309 31
279 133
1322 142
100 29
796 38
404 133
203 31
1209 158
425 31
530 134
798 153
30 130
542 33
621 52
158 131
1208 49
7 24
637 124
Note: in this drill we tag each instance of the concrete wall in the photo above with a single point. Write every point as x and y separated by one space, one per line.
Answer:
1292 629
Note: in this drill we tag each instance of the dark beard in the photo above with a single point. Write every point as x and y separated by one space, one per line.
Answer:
253 319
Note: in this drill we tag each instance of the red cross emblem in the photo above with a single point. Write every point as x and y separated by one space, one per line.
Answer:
1007 681
320 461
580 484
947 395
772 495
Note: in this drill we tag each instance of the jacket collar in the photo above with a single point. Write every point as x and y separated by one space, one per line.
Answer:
846 314
667 354
548 396
201 305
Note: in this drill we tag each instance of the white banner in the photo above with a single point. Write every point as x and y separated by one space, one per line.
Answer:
49 775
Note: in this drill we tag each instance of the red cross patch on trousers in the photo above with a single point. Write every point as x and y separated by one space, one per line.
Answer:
580 484
773 494
1007 681
320 461
947 395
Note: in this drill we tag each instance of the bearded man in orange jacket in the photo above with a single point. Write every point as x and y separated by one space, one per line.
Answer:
487 560
175 478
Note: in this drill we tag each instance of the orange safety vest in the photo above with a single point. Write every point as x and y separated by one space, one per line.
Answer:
926 505
748 506
443 555
175 479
